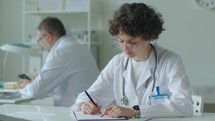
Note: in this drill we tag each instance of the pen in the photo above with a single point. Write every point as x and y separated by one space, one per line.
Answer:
91 99
158 90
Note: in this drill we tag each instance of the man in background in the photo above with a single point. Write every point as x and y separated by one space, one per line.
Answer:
68 70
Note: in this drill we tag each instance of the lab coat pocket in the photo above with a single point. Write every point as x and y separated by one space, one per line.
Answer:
159 97
163 90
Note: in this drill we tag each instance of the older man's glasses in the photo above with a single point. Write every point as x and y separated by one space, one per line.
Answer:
41 38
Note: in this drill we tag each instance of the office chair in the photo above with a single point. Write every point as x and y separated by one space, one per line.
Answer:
198 105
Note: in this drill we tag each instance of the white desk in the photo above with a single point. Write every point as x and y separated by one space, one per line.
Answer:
48 113
15 101
12 100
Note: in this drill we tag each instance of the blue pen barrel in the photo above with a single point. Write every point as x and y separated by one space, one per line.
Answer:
158 90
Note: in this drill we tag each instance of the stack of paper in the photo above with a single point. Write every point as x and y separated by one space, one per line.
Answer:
11 85
87 117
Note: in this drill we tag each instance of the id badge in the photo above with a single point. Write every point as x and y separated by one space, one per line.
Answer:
154 99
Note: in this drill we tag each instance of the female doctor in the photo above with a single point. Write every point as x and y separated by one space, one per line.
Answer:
145 80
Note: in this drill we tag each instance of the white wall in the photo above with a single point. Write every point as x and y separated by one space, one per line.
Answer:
11 31
190 32
107 50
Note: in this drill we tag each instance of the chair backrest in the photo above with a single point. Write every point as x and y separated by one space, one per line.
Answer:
198 105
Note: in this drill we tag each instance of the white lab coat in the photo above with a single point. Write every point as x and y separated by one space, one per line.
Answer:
170 77
69 69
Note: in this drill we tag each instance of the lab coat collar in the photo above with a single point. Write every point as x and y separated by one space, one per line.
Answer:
148 71
130 90
127 76
58 42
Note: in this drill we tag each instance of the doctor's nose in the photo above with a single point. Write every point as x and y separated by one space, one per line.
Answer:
126 46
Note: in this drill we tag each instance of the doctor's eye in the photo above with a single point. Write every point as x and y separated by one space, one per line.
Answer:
132 43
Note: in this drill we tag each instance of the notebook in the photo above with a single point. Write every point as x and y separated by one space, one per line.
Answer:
88 117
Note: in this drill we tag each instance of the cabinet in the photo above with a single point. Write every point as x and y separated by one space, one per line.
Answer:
81 19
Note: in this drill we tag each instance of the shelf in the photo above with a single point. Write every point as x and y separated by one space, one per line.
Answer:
92 43
10 90
55 12
74 14
56 6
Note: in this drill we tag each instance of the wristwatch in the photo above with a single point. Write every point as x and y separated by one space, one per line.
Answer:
137 111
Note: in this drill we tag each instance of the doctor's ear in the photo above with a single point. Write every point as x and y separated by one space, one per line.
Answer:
49 37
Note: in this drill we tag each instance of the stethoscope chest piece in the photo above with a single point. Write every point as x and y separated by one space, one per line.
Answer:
124 101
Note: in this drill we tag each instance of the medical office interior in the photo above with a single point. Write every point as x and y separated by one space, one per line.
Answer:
190 31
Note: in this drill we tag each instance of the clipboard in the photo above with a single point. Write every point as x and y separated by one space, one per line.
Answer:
96 117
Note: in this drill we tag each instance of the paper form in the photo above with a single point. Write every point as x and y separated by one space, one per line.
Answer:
87 117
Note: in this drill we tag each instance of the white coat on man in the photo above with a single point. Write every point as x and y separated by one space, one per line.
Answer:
69 69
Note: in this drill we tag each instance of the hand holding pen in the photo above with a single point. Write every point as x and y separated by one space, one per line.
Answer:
90 107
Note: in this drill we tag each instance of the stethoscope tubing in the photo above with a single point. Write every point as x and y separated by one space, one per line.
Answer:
153 76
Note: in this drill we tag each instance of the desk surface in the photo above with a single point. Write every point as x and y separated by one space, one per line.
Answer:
12 96
15 101
48 113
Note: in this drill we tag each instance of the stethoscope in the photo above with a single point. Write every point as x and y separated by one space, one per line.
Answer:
124 99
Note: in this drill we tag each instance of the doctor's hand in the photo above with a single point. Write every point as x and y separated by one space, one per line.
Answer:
24 82
89 108
118 111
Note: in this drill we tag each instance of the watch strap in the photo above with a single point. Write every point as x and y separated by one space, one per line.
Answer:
137 111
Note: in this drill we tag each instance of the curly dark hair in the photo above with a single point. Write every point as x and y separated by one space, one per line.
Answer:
136 19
